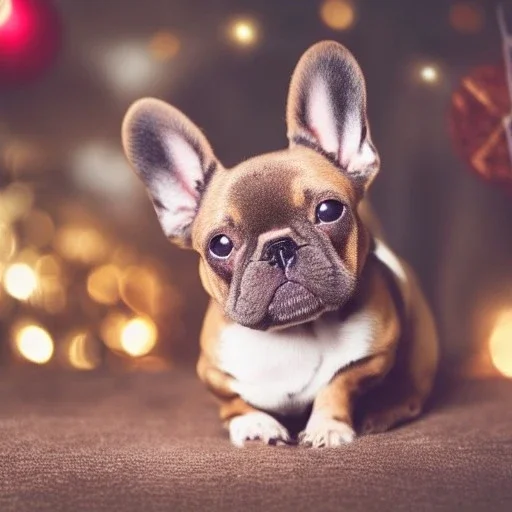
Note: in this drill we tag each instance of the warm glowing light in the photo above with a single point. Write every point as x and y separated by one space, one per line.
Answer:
34 344
138 336
48 266
429 74
16 201
82 244
244 32
7 243
20 281
140 290
164 46
111 329
5 11
103 284
500 344
467 17
82 353
338 14
38 228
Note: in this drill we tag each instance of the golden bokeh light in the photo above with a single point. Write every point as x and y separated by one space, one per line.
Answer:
138 336
20 281
16 201
164 46
429 74
5 10
48 265
244 32
467 17
338 14
34 344
38 228
500 344
8 243
103 284
83 353
140 290
52 295
111 328
81 244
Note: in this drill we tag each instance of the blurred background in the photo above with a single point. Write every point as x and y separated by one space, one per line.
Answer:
88 279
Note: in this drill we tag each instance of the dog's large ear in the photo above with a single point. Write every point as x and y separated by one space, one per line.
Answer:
327 110
173 159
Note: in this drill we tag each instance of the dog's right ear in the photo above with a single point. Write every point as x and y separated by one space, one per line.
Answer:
174 161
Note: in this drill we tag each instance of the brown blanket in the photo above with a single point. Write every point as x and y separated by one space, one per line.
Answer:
139 442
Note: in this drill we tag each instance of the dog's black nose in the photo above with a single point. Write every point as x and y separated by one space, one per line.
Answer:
280 252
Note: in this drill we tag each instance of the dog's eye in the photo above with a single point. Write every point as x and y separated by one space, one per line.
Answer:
329 211
221 246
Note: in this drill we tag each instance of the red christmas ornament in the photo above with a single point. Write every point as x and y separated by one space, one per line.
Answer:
479 120
30 39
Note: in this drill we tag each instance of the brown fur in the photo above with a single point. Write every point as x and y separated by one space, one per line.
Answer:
274 196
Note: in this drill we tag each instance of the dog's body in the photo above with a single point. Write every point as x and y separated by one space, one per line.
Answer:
309 307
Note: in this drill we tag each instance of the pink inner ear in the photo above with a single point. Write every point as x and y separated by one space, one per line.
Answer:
320 116
321 119
350 140
187 165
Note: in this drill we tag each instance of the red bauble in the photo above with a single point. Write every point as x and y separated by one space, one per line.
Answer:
30 39
480 106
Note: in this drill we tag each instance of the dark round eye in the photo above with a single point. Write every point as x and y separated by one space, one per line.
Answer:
221 246
329 211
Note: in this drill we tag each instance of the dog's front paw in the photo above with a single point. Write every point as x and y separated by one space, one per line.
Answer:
325 432
257 426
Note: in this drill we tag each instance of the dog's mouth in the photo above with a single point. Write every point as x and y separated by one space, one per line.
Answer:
292 303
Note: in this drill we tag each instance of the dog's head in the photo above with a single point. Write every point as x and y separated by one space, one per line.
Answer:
279 235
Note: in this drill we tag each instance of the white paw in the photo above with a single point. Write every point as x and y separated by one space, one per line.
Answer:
323 432
257 426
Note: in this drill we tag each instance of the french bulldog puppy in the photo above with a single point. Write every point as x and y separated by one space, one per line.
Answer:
310 310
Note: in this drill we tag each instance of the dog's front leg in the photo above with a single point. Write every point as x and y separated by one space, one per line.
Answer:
244 422
331 422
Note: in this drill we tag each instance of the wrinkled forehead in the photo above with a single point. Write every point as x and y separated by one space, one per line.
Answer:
266 192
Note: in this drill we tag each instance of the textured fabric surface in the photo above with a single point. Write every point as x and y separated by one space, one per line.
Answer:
152 442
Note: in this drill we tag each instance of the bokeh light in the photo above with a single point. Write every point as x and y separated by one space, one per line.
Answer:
103 284
338 14
20 281
244 32
467 17
138 336
111 329
34 344
81 244
429 74
5 11
51 295
16 201
140 290
500 344
83 352
164 46
119 186
128 69
8 243
38 228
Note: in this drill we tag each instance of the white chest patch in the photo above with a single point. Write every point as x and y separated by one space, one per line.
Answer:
282 371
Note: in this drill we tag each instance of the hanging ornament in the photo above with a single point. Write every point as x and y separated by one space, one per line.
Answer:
481 116
30 39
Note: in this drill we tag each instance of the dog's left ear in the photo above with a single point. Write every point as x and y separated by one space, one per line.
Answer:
327 110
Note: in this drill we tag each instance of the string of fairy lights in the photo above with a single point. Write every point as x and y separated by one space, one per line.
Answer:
62 265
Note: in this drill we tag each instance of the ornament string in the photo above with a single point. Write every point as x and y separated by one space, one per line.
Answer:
505 22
